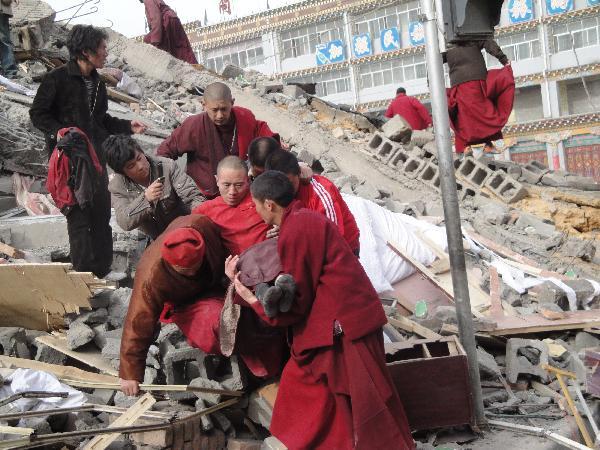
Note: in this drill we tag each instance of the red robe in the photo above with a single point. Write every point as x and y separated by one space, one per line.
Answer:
335 392
479 109
166 31
200 138
241 226
322 196
412 110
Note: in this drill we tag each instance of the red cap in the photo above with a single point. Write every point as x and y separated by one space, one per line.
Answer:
183 247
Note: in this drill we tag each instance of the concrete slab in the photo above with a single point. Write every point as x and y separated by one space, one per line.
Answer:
36 232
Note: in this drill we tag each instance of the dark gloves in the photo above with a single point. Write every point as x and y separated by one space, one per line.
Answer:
276 298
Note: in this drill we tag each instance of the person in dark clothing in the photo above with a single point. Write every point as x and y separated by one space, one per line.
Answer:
73 95
479 101
259 151
8 65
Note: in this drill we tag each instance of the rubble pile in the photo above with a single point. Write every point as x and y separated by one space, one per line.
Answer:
531 243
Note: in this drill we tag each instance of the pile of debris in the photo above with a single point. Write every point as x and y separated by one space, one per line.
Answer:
532 254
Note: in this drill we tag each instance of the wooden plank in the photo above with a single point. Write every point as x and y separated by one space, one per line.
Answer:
534 323
496 303
61 372
440 265
406 324
154 387
128 418
120 96
417 287
479 299
11 252
37 296
92 358
20 431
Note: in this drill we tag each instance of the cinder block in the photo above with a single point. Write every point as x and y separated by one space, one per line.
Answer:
495 180
398 159
480 175
386 150
532 173
175 361
511 191
376 141
430 175
236 381
413 167
526 356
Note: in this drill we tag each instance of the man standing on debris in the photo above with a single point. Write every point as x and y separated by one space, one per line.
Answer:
335 390
7 57
147 192
320 195
166 31
221 130
411 110
73 95
233 211
479 101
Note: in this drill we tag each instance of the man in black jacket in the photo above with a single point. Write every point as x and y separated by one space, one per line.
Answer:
74 96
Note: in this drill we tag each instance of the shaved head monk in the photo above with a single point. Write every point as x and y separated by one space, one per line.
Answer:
221 130
335 390
233 211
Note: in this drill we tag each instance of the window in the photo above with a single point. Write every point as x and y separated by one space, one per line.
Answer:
392 72
328 83
578 34
397 16
518 47
303 41
244 54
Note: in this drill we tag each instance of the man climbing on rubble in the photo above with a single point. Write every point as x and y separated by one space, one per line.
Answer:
73 95
147 192
411 110
166 31
320 195
335 391
479 101
8 64
221 130
233 210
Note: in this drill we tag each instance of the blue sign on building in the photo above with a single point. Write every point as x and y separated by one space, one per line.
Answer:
390 39
593 2
416 33
558 6
520 10
332 52
361 45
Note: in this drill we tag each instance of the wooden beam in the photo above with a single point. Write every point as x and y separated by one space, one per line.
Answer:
120 96
535 323
406 324
61 372
128 418
496 303
153 387
20 431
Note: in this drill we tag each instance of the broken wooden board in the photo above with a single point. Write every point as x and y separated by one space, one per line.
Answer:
406 324
11 252
417 287
479 299
535 323
120 96
37 296
91 357
60 372
126 419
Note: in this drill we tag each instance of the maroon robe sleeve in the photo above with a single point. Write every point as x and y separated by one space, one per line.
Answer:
422 111
154 17
181 140
390 110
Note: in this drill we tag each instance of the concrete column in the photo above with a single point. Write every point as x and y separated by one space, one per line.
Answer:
551 98
352 68
277 55
562 155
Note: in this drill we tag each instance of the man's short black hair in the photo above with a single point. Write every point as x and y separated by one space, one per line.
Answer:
273 185
119 149
283 161
400 90
84 38
260 149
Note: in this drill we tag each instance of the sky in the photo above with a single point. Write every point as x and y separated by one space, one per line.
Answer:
127 16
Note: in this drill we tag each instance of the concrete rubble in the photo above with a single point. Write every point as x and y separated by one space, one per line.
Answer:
549 219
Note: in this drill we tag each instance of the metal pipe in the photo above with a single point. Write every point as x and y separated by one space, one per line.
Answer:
437 87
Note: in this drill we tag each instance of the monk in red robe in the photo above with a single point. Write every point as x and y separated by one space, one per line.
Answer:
320 195
335 390
479 101
234 211
221 130
166 31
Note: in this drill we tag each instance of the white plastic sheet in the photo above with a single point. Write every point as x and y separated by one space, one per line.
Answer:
16 87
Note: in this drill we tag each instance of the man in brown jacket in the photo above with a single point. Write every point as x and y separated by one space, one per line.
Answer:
147 192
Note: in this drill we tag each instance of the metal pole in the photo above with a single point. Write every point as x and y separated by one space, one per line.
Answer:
437 87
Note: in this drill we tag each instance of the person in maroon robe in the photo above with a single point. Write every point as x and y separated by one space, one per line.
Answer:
335 391
221 130
479 101
166 31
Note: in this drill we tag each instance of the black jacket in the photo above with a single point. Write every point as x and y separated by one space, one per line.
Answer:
62 101
466 62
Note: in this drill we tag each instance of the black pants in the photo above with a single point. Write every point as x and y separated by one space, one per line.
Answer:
90 234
